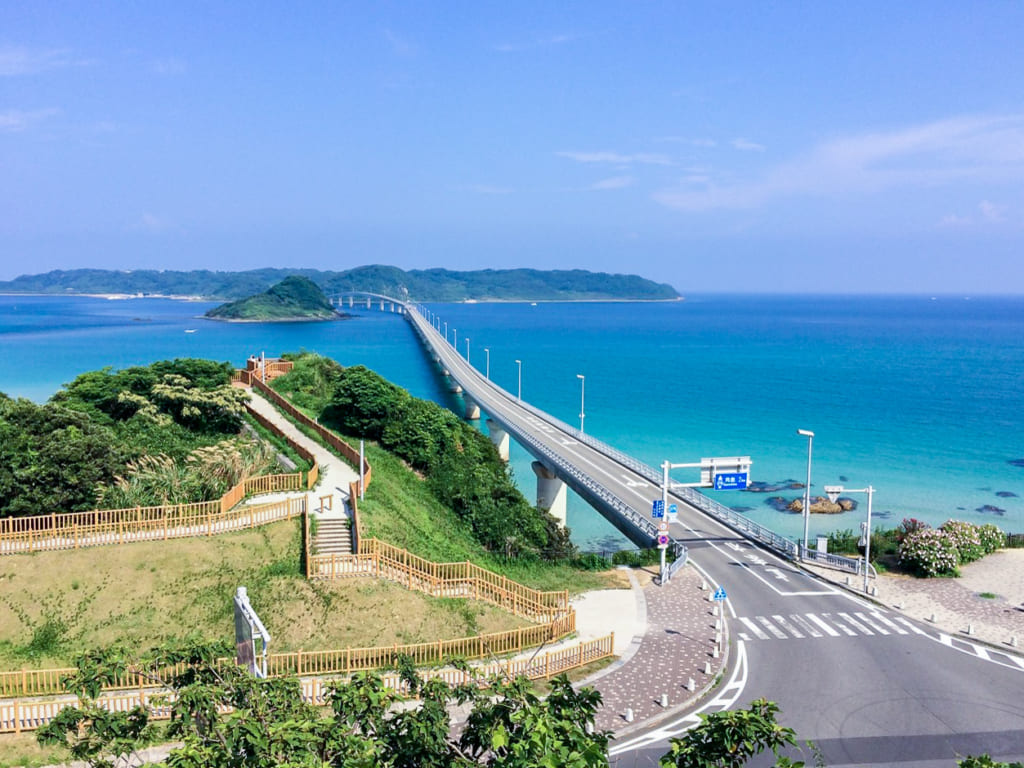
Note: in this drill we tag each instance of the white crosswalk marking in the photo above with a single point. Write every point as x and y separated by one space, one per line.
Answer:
805 625
828 630
843 627
856 624
772 628
897 629
788 627
877 627
753 628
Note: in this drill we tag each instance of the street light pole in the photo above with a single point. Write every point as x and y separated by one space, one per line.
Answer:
455 340
467 349
833 492
519 363
807 488
583 385
445 331
487 366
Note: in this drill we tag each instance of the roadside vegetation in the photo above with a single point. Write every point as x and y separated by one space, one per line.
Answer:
916 548
439 488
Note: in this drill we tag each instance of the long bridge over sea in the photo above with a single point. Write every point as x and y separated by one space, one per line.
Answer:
620 487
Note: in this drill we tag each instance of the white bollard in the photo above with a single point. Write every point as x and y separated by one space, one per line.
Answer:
629 715
970 629
664 700
874 591
714 609
718 625
714 652
718 638
703 585
847 581
932 619
691 685
1013 641
707 667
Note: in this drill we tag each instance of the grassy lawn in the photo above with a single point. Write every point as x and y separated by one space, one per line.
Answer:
144 593
20 750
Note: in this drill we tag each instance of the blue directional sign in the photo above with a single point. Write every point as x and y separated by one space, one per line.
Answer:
719 593
730 481
658 508
672 512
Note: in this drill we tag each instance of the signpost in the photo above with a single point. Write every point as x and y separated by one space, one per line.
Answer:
731 481
657 508
719 594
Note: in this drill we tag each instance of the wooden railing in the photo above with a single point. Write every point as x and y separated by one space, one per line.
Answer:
18 716
325 435
121 526
47 682
382 560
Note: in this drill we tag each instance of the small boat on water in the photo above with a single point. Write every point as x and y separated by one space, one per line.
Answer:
190 330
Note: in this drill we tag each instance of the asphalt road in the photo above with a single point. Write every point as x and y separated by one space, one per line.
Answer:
868 687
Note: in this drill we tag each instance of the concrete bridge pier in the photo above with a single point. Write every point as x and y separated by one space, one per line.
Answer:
551 491
472 408
499 437
368 300
350 300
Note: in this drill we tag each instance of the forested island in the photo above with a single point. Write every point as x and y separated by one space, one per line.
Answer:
294 298
414 285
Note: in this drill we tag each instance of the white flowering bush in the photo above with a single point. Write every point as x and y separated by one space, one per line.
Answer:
930 552
966 538
992 538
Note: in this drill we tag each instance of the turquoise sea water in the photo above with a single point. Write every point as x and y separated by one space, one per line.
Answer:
921 398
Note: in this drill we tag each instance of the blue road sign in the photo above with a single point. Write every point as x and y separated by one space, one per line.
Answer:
658 508
720 593
730 481
672 511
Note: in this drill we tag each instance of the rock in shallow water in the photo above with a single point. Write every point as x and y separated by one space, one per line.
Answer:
990 509
1006 494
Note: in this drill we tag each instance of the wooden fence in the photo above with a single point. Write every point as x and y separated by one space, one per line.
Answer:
47 682
18 716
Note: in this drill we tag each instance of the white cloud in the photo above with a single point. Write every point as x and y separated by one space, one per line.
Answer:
744 145
991 211
542 41
952 220
615 182
170 66
689 141
488 189
20 60
986 149
617 158
15 120
399 45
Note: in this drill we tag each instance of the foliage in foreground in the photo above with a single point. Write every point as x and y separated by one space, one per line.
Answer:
270 725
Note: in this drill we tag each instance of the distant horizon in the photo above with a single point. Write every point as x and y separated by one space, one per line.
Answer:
759 148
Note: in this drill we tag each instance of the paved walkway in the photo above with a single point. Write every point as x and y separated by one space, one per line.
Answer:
335 473
674 640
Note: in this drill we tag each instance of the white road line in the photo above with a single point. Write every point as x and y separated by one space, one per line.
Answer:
982 653
828 630
753 628
911 626
781 621
896 628
855 624
805 625
879 629
772 628
945 639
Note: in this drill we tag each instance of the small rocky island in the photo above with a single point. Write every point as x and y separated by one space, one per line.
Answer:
293 299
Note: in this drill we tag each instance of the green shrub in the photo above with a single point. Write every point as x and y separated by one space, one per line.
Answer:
992 538
590 561
965 538
930 552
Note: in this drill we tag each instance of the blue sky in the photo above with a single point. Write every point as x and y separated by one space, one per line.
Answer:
790 147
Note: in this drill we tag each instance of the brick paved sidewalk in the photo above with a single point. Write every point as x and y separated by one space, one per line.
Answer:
678 641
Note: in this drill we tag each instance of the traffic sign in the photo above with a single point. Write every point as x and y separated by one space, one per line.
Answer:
731 481
662 539
658 508
673 513
663 527
719 593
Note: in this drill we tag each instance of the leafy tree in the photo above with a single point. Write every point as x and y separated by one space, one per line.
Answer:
51 458
228 719
728 739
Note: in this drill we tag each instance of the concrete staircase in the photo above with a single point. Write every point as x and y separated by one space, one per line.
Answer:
333 536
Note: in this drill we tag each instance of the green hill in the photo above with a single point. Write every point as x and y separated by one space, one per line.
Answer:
415 285
294 298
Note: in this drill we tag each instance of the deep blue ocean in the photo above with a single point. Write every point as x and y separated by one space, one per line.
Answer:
920 397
